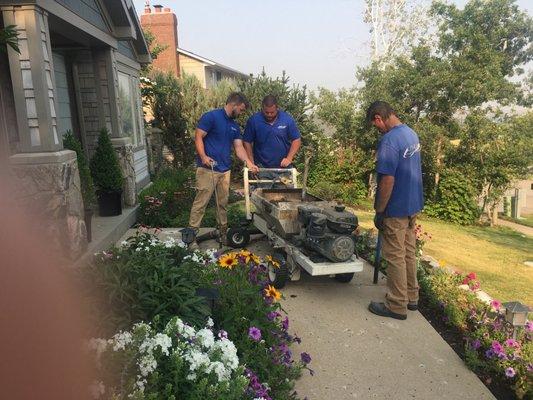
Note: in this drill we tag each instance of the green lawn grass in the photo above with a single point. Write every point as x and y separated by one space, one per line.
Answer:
526 219
495 254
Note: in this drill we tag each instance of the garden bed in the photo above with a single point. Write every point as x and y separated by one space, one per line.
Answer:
179 325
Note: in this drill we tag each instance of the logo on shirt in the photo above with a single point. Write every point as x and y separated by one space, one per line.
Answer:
233 128
411 150
282 126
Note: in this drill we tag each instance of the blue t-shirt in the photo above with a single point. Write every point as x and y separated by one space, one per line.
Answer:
399 156
221 132
271 141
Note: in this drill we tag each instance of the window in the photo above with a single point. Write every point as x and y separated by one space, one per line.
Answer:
130 107
219 76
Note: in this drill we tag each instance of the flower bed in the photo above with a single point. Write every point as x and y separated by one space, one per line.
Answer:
503 363
172 342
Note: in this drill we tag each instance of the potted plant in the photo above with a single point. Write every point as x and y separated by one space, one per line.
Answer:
107 177
70 142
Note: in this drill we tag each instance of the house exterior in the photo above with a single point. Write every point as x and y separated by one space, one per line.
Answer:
163 24
78 70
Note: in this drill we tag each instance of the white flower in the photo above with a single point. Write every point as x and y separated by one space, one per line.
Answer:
97 389
205 338
229 352
138 249
210 323
121 340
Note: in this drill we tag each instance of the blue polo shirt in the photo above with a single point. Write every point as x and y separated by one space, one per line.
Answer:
271 141
221 132
399 156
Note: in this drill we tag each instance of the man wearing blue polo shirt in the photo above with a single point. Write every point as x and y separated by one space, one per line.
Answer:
216 134
271 137
399 199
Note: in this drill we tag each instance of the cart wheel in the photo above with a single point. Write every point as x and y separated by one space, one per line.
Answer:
278 276
238 237
344 278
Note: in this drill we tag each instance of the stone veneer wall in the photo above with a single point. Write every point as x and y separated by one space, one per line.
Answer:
127 165
51 193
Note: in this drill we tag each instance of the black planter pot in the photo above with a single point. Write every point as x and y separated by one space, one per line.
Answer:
88 223
109 203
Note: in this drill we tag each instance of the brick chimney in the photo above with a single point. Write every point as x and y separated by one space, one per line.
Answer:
163 24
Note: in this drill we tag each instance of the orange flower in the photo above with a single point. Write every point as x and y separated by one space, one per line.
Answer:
272 292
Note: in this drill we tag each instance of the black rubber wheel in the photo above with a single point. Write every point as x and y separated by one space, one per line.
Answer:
344 278
280 275
237 237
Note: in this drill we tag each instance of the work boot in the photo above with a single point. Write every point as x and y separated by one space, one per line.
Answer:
223 235
382 310
412 306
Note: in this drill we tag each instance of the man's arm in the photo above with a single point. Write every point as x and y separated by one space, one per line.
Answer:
241 153
249 150
295 146
385 185
199 135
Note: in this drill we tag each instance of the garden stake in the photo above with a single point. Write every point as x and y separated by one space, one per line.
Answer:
377 258
216 202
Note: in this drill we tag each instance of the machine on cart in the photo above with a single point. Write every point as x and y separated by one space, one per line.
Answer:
306 232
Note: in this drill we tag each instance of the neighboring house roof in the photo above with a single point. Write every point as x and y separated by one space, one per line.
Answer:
209 62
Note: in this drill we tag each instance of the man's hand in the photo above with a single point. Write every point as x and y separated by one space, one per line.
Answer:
285 162
254 169
207 161
378 220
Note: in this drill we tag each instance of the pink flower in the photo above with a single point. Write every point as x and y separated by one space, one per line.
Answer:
495 305
512 343
529 326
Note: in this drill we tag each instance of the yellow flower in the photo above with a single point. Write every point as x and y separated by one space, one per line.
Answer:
246 255
442 263
255 259
272 292
227 260
272 261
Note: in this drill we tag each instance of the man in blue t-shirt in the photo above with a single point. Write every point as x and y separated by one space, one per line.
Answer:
271 137
399 199
216 134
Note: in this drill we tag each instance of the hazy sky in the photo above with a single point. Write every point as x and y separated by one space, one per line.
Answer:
317 42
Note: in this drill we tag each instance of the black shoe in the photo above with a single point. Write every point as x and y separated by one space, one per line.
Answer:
381 309
412 306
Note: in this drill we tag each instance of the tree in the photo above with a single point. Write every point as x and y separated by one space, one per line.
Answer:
155 49
9 37
395 26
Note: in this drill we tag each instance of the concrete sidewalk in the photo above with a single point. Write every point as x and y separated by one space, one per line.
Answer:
526 230
357 355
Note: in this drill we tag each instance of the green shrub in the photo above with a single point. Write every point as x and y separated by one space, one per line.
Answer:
327 190
144 280
87 187
455 199
354 192
105 168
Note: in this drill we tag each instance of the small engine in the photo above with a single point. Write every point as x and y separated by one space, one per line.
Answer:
328 231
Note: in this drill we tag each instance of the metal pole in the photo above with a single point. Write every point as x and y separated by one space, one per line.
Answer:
377 258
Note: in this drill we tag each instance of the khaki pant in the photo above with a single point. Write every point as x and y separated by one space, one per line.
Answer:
205 188
399 250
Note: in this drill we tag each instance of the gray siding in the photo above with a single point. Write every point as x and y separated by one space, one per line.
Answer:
88 10
64 115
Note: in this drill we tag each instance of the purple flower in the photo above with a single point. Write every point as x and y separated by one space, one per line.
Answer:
272 315
529 326
306 358
512 343
489 353
285 323
530 367
254 333
222 334
476 344
510 372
